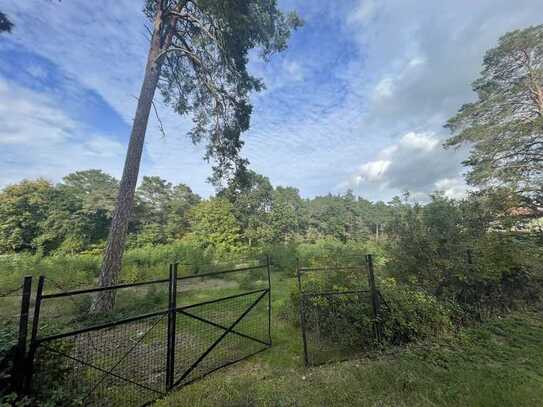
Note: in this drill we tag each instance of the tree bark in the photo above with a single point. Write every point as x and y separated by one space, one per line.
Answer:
111 263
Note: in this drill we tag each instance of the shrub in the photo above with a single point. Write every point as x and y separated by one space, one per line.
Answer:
408 315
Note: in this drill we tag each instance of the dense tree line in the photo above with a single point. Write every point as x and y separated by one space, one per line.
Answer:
74 215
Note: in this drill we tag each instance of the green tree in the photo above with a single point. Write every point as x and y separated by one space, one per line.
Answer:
155 196
198 57
287 217
79 212
96 189
23 208
340 216
5 24
214 225
251 198
504 126
161 211
183 199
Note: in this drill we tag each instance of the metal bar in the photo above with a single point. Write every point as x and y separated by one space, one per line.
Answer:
302 312
19 366
98 327
35 327
37 308
374 298
170 348
216 325
298 274
268 268
167 384
224 365
214 273
23 318
222 299
307 269
241 259
94 290
318 293
193 366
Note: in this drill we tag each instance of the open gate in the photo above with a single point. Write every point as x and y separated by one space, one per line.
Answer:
338 323
133 361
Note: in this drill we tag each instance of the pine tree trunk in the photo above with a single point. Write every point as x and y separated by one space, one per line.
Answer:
111 263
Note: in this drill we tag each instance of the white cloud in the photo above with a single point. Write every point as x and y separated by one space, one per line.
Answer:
364 13
39 139
294 70
416 163
373 171
419 141
452 187
384 88
29 118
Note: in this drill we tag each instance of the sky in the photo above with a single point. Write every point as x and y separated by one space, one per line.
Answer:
358 100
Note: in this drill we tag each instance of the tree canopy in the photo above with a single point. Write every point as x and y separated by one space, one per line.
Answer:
5 24
504 127
204 67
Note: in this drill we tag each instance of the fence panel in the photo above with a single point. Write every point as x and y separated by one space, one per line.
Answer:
122 364
339 309
335 325
133 360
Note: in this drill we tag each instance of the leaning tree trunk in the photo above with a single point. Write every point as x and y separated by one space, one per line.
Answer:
111 264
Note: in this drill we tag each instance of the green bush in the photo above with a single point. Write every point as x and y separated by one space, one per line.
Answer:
408 315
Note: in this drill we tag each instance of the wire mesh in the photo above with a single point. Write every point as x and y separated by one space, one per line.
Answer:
337 326
77 311
336 310
219 333
119 365
10 309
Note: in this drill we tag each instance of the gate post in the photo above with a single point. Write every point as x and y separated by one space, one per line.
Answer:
302 311
268 268
375 303
170 347
34 335
19 364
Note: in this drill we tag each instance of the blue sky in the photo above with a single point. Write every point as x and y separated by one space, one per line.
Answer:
357 101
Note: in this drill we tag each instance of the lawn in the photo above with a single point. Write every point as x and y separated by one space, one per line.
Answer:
499 363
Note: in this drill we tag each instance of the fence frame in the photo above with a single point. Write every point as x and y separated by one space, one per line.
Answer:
24 363
374 295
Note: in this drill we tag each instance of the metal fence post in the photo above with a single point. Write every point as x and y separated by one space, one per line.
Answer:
302 311
19 364
375 303
469 254
172 305
268 268
34 335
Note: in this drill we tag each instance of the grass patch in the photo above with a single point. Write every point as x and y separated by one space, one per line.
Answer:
499 363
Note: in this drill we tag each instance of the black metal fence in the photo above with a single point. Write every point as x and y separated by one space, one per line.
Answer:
11 322
338 323
134 360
